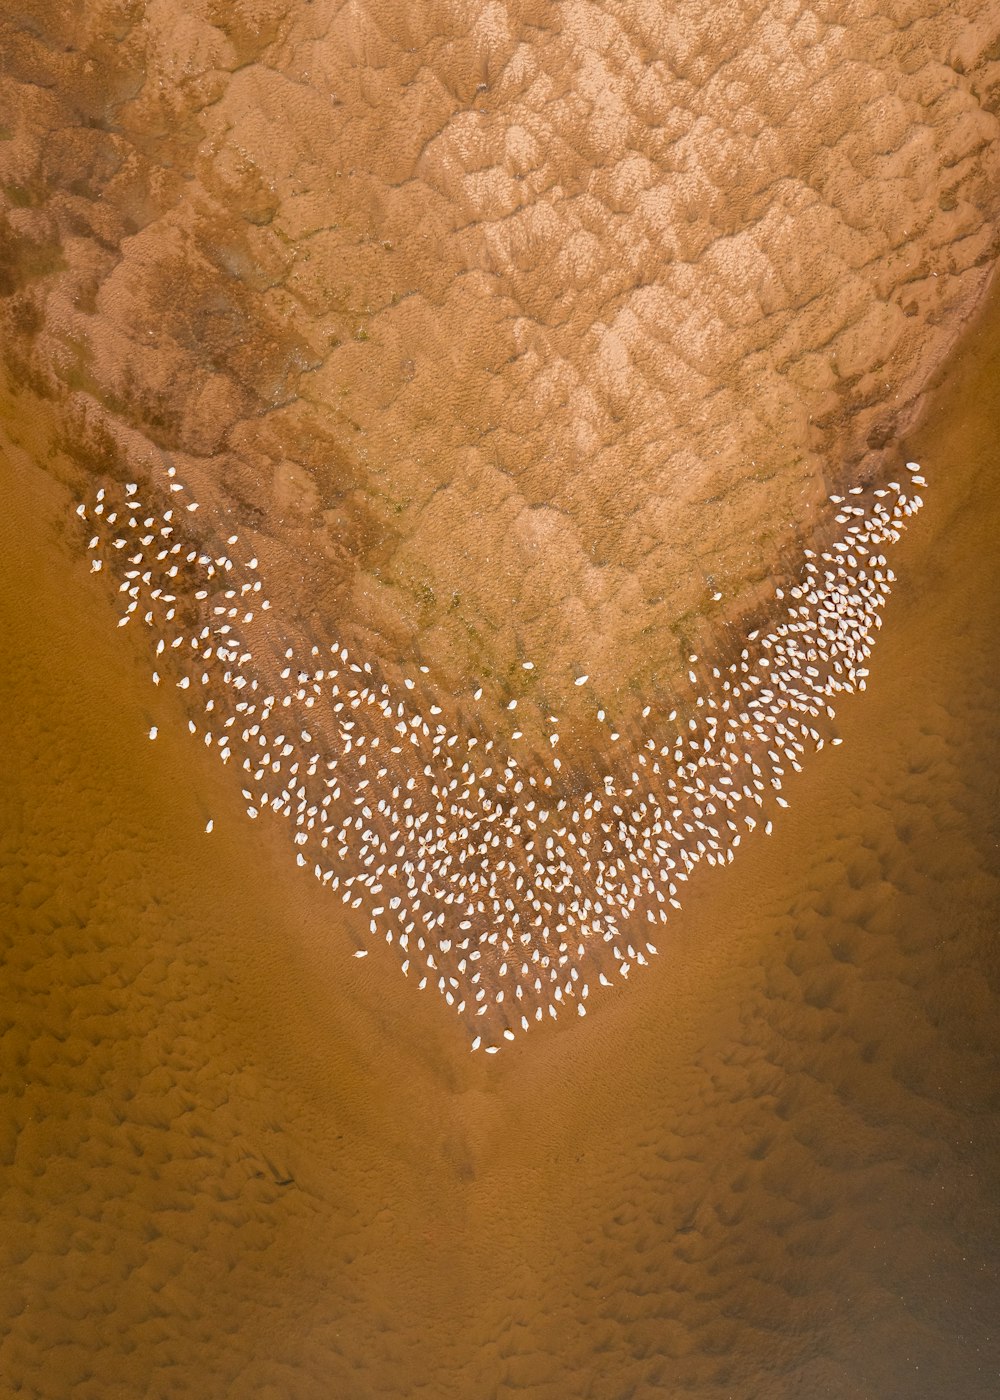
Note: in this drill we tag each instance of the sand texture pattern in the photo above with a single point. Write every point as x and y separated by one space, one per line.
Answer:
518 332
499 334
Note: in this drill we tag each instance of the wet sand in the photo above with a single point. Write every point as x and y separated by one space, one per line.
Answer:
237 1162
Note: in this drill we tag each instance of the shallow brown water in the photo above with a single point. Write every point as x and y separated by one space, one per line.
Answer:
237 1163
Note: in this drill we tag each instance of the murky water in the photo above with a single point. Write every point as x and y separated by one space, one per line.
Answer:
236 1162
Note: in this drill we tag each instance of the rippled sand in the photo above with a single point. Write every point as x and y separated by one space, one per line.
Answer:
374 280
512 333
235 1162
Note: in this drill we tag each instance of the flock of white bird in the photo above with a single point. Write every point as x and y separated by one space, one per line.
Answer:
501 886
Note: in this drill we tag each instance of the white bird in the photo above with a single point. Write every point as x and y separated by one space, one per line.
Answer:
526 869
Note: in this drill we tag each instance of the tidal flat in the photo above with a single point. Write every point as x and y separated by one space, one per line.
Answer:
234 1159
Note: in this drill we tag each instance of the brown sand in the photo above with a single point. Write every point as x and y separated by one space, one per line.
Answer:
237 1163
446 336
517 332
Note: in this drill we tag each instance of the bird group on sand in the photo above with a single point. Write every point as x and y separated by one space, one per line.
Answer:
511 889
